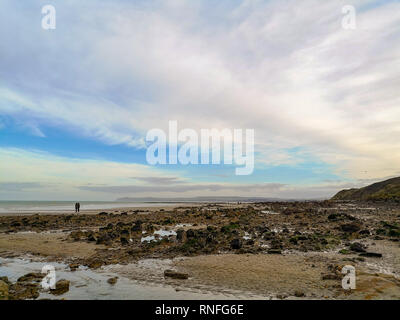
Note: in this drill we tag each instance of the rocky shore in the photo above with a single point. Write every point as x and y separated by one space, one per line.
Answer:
272 249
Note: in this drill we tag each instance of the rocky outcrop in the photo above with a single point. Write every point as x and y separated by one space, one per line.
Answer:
388 190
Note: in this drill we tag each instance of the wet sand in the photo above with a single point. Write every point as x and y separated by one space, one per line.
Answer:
313 247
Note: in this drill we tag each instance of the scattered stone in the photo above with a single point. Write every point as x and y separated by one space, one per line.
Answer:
357 247
62 286
371 255
104 239
175 275
32 276
181 235
236 244
73 266
274 251
113 280
331 276
299 294
350 227
23 291
95 264
3 290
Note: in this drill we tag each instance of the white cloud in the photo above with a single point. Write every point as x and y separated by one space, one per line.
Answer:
286 69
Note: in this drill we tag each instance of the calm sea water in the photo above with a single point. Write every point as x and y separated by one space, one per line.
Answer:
62 206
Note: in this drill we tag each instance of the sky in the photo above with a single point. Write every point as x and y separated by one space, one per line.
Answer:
77 101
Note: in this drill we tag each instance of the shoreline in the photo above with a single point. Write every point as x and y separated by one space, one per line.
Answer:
285 252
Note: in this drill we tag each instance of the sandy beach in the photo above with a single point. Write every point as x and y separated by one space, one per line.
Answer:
264 250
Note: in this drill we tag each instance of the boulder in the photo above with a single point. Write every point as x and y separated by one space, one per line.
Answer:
94 264
23 290
275 251
113 280
175 275
299 293
357 247
62 286
181 235
3 290
190 233
103 239
350 227
32 276
371 255
331 276
137 227
73 266
124 240
236 244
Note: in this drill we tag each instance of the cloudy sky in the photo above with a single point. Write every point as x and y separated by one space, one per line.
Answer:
76 102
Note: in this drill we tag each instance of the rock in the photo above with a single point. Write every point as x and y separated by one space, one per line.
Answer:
29 277
250 242
103 214
137 226
74 266
275 251
124 240
94 264
181 235
334 216
3 290
5 279
371 255
175 275
299 293
350 227
23 290
331 276
62 286
76 235
113 280
236 244
357 247
190 233
125 233
103 239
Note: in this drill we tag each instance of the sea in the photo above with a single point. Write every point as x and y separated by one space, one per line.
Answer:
64 206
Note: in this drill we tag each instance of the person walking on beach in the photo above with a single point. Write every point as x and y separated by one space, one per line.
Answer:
77 207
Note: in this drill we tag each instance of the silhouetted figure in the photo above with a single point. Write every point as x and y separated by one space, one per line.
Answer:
77 207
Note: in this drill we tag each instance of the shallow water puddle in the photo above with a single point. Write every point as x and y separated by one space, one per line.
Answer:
161 233
90 284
